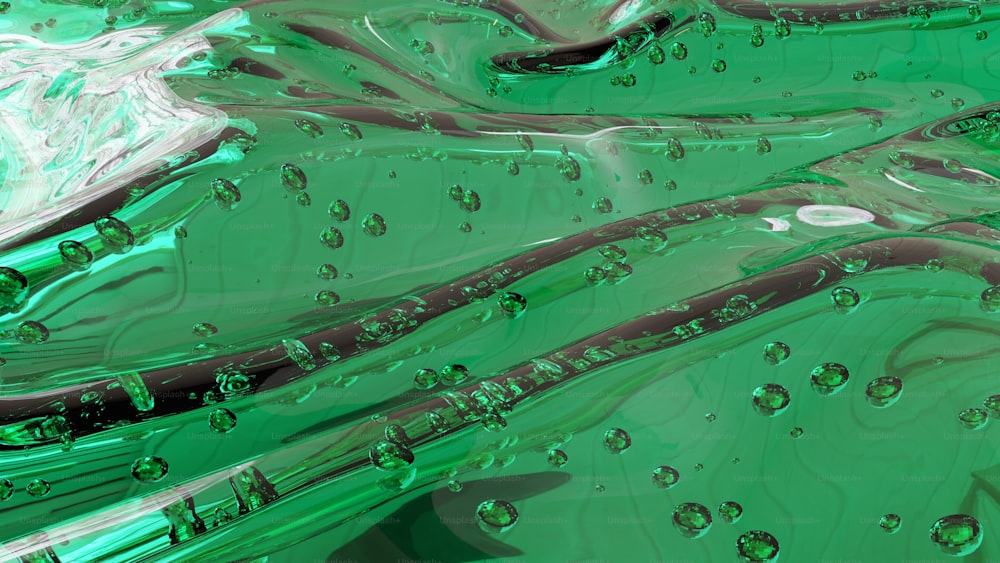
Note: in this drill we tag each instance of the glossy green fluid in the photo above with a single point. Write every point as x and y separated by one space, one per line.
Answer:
391 185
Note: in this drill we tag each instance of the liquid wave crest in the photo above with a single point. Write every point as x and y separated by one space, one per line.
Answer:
476 280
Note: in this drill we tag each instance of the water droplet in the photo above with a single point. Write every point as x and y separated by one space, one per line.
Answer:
226 194
612 252
796 432
655 238
493 422
710 417
594 275
453 374
884 391
422 47
75 255
204 330
730 512
397 434
149 469
617 272
425 378
617 441
465 227
513 305
776 353
326 298
975 12
309 128
332 238
557 458
859 75
845 298
135 387
13 289
957 535
989 299
525 141
757 546
115 234
890 523
438 423
763 146
470 201
293 178
31 332
299 354
350 131
390 456
678 51
329 351
957 104
719 65
675 150
656 55
327 272
992 404
222 420
38 487
6 489
770 399
496 516
568 167
698 467
829 378
455 486
781 28
974 418
981 35
374 225
339 210
937 93
180 232
706 22
692 520
665 477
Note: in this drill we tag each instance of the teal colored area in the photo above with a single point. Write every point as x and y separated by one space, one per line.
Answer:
463 281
